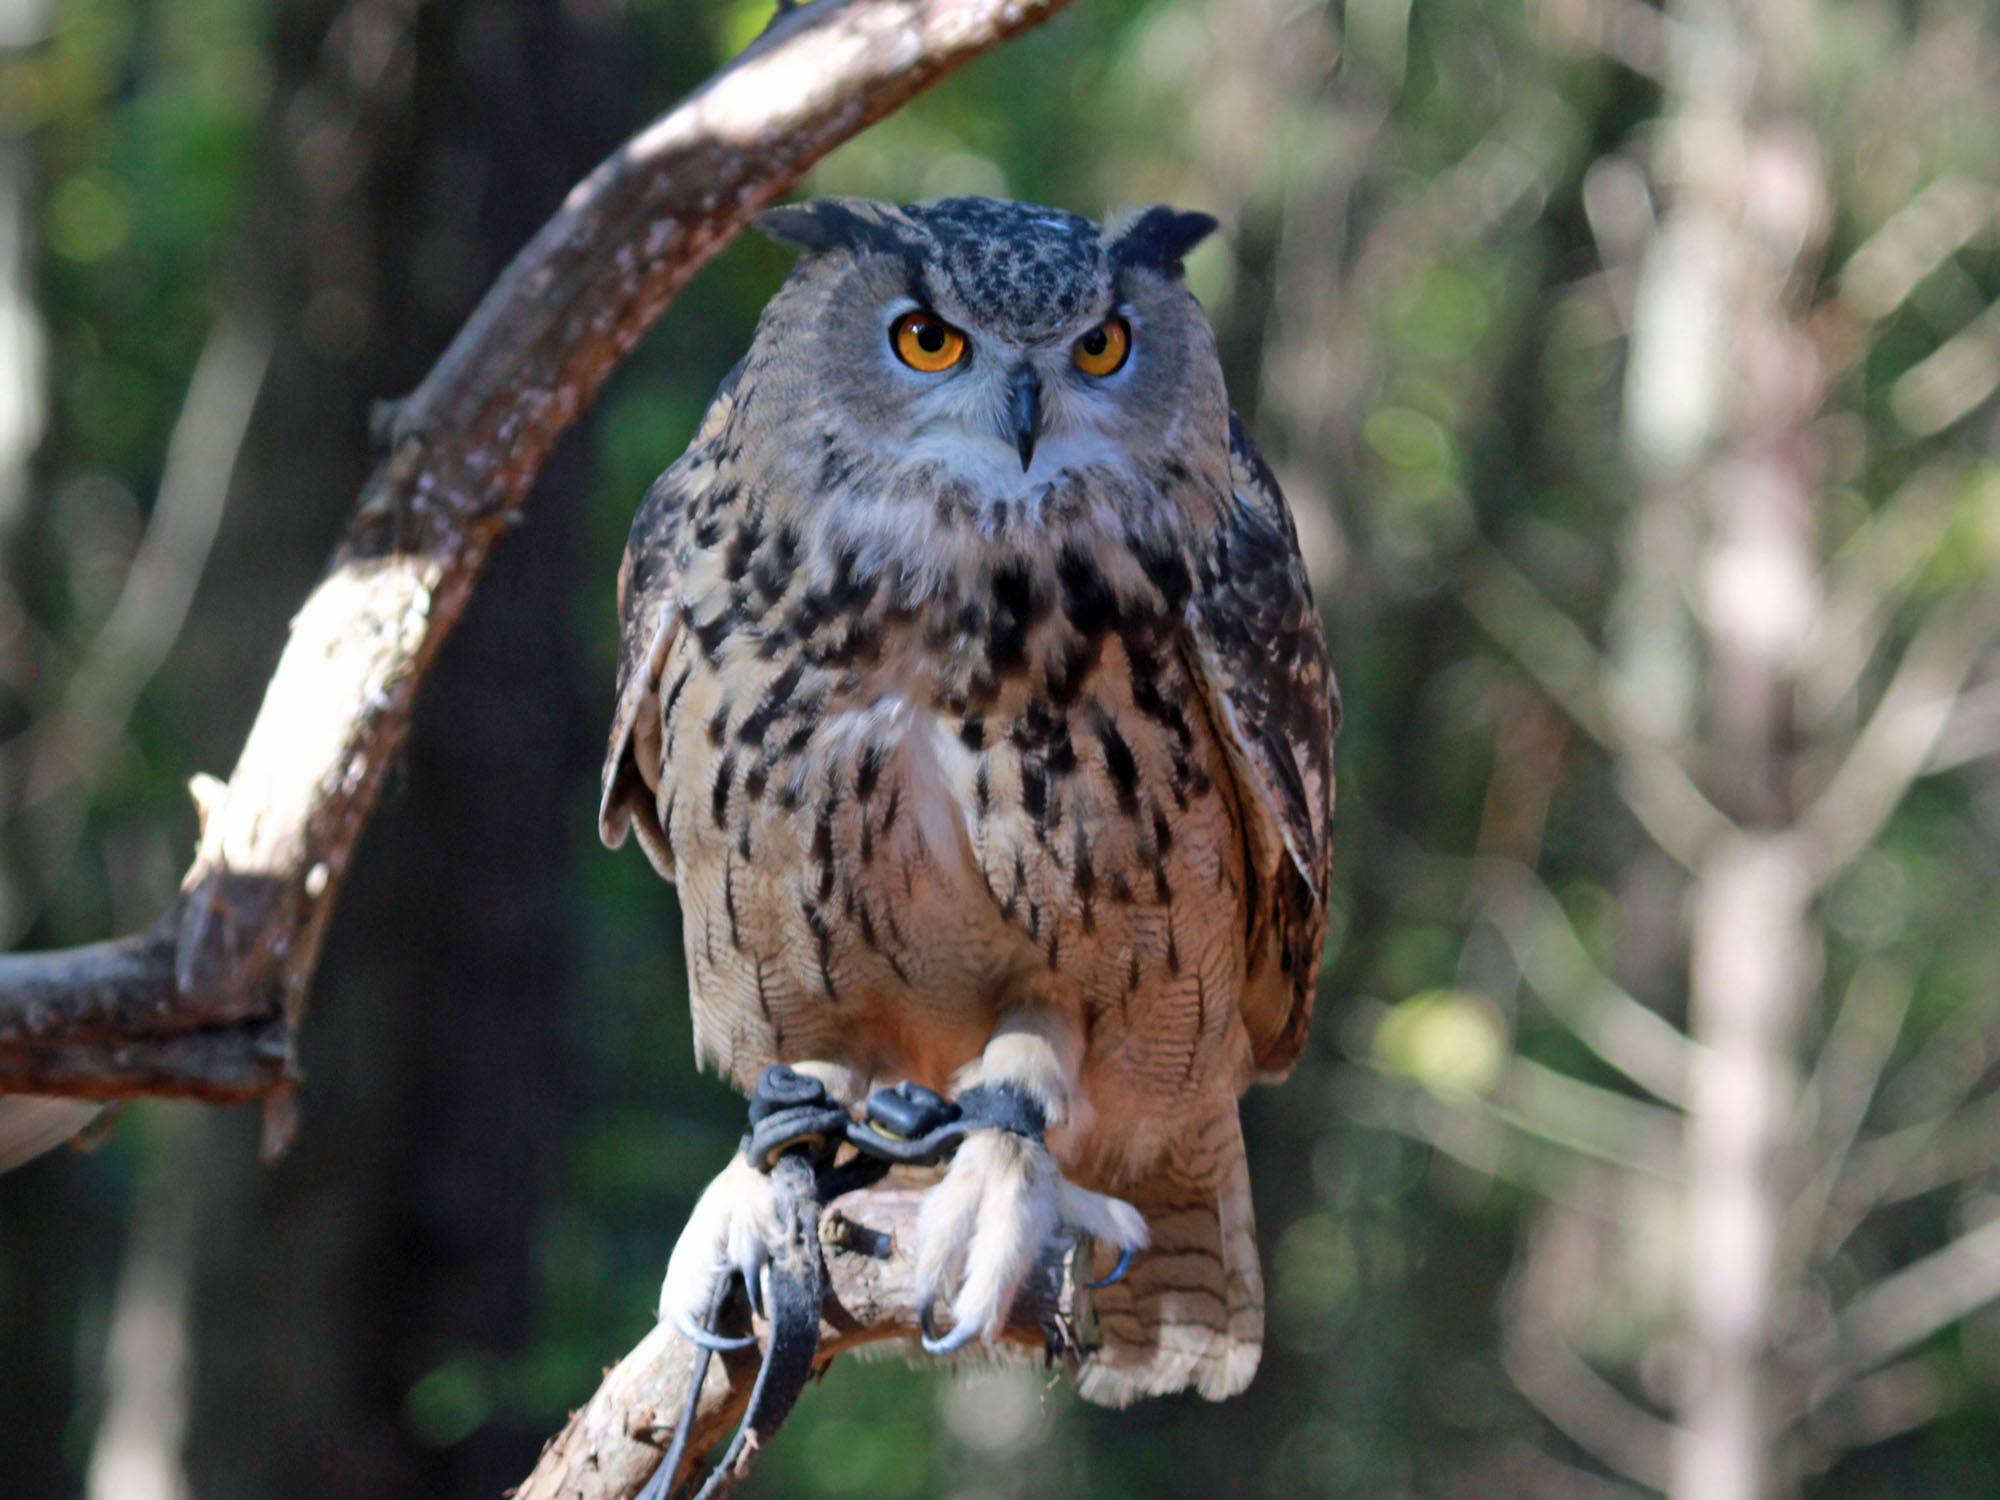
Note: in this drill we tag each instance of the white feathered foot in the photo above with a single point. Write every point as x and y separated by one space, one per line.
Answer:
731 1231
983 1226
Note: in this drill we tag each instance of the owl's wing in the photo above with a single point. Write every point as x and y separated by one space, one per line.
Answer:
1263 668
648 619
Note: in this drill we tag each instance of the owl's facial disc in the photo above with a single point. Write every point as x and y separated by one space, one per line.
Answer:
1006 409
1002 350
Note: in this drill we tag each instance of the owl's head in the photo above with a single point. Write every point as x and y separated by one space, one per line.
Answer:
1004 342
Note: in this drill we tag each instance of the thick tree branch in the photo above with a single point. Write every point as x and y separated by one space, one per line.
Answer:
462 452
218 1065
611 1447
84 994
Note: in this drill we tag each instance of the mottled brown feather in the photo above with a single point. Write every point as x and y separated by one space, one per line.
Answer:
648 615
1263 663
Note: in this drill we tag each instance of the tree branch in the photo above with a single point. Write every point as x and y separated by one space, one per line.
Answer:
1952 381
1564 663
1547 1294
1637 1041
1842 1087
1903 1164
1870 579
217 1065
611 1447
1895 745
1972 732
1571 1123
1905 1309
1915 240
462 452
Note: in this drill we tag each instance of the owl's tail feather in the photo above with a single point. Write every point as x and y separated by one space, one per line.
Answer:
1190 1312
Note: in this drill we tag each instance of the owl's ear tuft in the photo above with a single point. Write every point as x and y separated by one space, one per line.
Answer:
1159 238
855 224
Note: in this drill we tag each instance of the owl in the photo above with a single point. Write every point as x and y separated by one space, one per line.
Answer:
972 692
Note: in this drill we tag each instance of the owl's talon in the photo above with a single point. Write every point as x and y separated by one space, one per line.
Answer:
729 1235
751 1258
952 1342
701 1338
927 1315
984 1226
934 1342
1125 1254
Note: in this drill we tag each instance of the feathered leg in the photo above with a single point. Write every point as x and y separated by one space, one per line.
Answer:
733 1231
981 1228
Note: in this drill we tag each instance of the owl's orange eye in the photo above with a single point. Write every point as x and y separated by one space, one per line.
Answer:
924 341
1102 350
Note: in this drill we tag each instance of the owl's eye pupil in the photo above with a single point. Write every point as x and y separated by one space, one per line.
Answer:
1096 342
930 337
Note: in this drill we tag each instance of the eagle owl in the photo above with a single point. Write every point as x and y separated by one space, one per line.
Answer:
972 692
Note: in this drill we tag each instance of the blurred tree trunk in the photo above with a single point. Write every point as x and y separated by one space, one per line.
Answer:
22 372
23 424
1722 392
412 152
45 1212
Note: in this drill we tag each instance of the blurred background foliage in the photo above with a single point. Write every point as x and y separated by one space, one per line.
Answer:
1631 372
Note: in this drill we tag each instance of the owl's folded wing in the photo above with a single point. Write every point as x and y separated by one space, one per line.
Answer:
1263 667
648 620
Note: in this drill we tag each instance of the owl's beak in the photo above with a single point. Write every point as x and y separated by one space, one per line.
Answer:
1027 413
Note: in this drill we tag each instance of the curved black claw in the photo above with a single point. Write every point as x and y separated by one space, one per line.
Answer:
797 1289
949 1343
927 1316
1118 1271
701 1338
